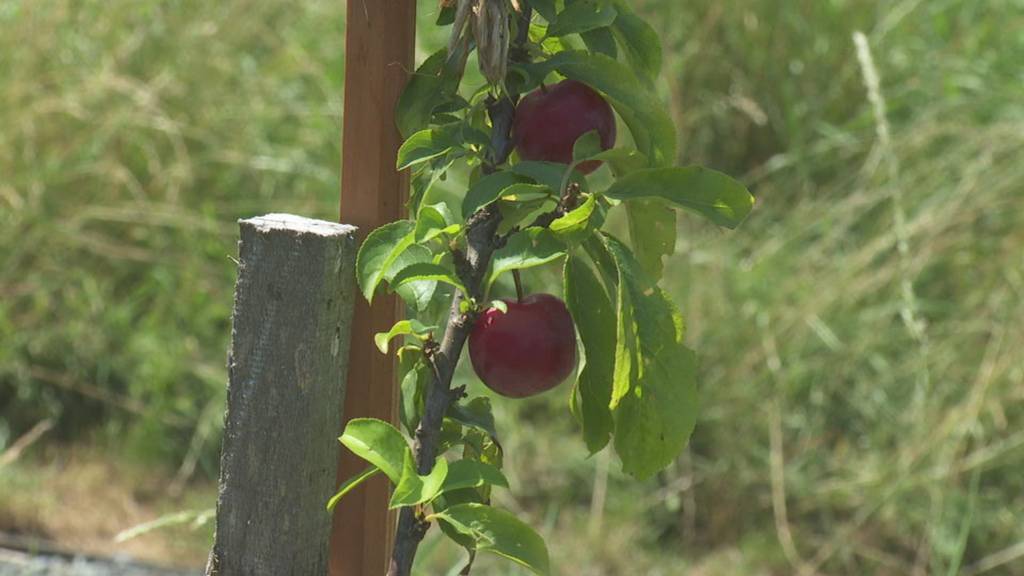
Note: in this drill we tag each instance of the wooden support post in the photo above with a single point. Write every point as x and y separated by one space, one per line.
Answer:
379 55
289 353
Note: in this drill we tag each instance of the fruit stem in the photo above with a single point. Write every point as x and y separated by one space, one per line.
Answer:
519 285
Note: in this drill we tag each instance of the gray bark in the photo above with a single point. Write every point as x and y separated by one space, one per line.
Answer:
289 355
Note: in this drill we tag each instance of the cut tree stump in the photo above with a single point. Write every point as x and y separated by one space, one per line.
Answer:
287 367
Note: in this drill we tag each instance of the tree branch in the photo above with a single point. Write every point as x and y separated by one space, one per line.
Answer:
481 242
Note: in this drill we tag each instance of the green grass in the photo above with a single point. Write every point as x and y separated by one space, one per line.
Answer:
135 133
863 404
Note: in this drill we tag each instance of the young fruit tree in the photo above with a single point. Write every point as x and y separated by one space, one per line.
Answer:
558 77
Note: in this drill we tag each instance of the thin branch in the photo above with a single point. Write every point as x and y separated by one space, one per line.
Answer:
62 380
27 439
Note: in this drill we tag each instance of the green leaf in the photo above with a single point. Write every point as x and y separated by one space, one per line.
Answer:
434 220
474 136
426 271
413 489
499 532
487 190
602 41
377 442
482 446
446 500
416 375
652 233
595 321
583 15
546 44
654 401
659 323
451 435
549 174
402 328
525 192
639 42
475 414
529 248
577 218
435 82
419 292
378 253
423 181
351 483
622 161
626 366
626 359
655 419
445 16
648 121
577 224
471 474
426 145
517 213
586 146
712 194
546 8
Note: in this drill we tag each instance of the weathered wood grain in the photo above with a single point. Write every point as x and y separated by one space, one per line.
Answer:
287 366
379 47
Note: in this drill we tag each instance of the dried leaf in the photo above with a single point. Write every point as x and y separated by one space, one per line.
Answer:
462 13
491 29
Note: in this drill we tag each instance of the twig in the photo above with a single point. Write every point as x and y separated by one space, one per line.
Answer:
27 439
207 425
481 242
96 393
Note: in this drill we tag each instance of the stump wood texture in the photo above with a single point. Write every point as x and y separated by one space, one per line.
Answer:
287 365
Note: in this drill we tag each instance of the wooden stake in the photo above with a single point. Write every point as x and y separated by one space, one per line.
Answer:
289 341
379 56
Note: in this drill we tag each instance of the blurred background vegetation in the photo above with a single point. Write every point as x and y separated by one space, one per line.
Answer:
862 373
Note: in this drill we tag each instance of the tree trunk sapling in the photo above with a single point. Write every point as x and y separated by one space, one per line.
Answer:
529 203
